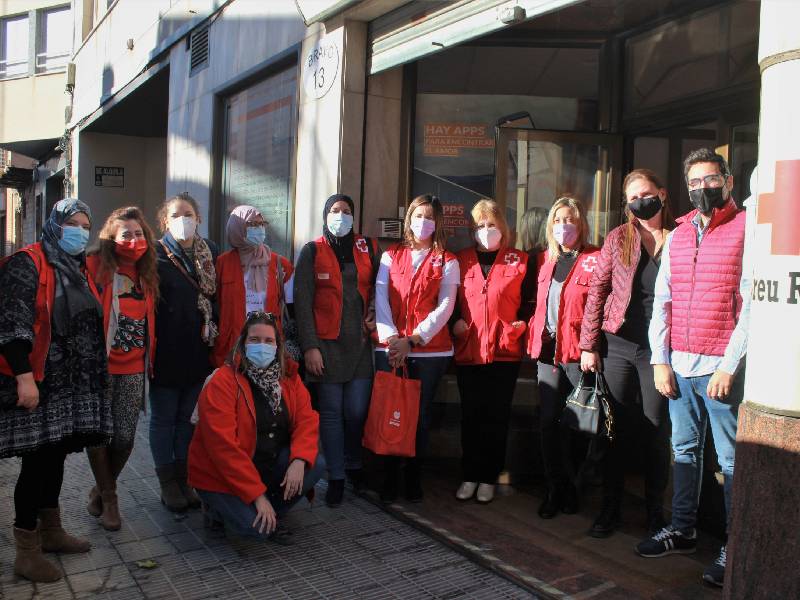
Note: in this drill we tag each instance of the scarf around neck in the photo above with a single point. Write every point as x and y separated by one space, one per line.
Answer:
268 381
254 259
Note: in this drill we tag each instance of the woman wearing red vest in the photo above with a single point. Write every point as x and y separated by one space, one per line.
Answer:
565 269
415 293
489 331
250 277
614 341
124 270
254 450
333 289
54 386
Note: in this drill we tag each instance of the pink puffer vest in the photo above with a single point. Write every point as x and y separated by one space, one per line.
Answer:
705 281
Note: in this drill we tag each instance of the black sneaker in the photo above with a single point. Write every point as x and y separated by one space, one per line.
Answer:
281 536
715 574
668 541
357 479
335 493
607 521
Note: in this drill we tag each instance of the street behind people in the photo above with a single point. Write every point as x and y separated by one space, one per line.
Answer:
54 388
254 452
123 268
334 288
698 338
614 341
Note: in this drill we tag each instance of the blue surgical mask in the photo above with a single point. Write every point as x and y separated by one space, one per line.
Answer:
256 235
261 355
73 239
339 223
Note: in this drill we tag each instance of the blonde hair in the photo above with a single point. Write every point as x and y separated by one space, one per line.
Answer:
439 234
489 208
553 248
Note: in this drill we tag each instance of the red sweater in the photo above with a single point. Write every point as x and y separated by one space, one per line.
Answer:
224 441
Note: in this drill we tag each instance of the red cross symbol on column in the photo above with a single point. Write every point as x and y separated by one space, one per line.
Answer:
781 208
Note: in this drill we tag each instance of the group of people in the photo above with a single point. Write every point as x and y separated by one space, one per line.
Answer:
87 336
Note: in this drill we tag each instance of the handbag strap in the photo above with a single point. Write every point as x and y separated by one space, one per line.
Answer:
181 269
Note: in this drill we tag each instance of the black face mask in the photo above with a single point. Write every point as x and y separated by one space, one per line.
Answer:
645 208
707 199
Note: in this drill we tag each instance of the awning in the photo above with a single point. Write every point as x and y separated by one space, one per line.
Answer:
314 11
33 148
414 31
15 177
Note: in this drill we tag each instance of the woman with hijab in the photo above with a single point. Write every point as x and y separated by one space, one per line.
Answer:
54 387
186 332
250 277
333 287
254 453
123 267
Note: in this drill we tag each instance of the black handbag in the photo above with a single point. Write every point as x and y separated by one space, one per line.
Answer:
588 408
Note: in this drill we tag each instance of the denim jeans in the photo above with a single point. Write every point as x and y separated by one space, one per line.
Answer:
239 516
691 413
429 370
342 412
170 427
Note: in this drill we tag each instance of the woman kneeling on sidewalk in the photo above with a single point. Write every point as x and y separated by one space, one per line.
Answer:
254 450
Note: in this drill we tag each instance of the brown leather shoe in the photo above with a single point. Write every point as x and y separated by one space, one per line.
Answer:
30 563
54 538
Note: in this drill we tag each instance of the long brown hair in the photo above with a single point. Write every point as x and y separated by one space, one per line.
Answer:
439 235
146 266
667 222
237 358
162 217
578 212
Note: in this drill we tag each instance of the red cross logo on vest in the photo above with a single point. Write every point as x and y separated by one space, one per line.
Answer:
781 208
589 263
437 260
361 244
511 258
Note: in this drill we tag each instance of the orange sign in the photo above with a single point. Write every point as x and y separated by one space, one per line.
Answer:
445 139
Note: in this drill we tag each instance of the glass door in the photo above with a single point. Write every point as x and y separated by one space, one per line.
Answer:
533 168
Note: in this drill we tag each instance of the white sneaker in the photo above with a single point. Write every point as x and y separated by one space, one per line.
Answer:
485 493
466 490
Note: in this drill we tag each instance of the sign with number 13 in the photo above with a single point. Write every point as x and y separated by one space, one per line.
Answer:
320 68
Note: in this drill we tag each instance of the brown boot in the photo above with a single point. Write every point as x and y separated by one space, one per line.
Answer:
95 506
110 519
54 538
192 499
30 562
171 495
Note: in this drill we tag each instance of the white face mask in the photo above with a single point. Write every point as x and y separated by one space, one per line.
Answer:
339 224
423 228
488 238
182 228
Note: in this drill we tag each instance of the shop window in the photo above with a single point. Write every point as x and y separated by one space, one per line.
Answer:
464 92
260 133
706 52
14 37
54 39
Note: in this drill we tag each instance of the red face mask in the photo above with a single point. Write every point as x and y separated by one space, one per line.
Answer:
132 250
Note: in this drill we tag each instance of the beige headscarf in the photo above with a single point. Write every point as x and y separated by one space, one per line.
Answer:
254 259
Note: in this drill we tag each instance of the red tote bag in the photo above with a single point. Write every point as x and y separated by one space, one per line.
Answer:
391 427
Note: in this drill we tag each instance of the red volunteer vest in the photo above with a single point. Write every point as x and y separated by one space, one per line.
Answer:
107 297
414 295
574 292
489 306
231 299
42 325
705 281
328 284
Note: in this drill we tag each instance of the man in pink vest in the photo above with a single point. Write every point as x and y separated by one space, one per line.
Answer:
698 337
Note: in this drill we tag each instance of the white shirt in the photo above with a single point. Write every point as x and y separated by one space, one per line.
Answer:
254 300
435 320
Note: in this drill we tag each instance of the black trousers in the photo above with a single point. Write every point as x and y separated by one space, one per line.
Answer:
629 374
486 393
39 484
555 384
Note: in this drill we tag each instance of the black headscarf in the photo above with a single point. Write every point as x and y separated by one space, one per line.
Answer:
72 294
342 246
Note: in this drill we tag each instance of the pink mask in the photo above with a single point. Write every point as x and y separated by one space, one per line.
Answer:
565 234
423 228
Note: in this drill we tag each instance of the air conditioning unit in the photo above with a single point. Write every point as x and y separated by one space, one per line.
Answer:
390 228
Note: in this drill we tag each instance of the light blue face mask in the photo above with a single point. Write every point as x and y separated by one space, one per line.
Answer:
339 224
256 235
261 355
73 239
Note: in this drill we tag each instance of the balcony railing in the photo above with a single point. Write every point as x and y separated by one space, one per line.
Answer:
51 61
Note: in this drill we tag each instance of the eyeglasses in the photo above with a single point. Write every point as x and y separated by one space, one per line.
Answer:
260 314
713 180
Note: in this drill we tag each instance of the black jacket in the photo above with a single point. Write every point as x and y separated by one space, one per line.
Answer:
182 357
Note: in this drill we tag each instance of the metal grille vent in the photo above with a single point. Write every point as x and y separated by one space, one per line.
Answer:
199 50
390 228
